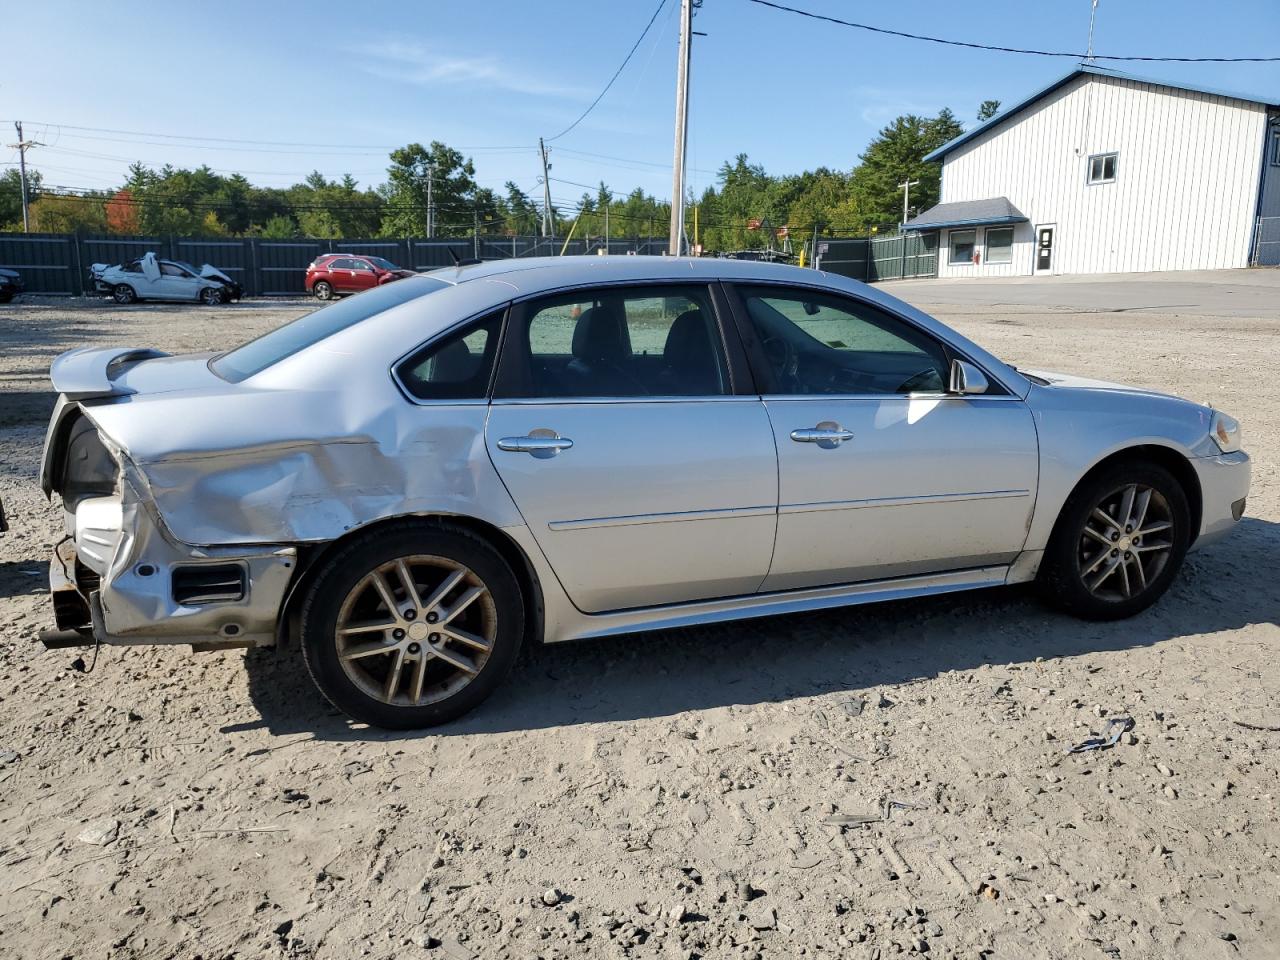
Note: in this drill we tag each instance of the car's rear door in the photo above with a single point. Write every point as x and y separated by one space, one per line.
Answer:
645 471
882 472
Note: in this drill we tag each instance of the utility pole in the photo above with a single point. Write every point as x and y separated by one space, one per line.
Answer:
606 227
906 186
547 224
431 207
676 239
22 146
1093 12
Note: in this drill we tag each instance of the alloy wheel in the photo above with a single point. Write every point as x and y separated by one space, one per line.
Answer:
1126 542
416 630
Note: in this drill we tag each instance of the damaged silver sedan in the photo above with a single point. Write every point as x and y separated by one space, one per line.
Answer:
409 484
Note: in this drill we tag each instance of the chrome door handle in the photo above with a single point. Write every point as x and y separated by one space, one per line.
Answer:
827 435
539 443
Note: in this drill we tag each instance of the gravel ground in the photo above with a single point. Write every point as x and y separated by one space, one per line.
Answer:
676 794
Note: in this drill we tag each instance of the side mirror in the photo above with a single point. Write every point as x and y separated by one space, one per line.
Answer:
966 378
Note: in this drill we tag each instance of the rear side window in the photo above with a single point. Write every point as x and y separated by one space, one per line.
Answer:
270 348
455 367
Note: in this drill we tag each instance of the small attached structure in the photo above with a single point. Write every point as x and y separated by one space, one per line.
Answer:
1101 172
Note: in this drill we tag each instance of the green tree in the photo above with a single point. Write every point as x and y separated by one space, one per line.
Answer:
405 192
895 155
988 109
67 213
279 228
11 196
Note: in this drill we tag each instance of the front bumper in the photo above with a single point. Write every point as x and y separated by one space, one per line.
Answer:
1224 486
115 579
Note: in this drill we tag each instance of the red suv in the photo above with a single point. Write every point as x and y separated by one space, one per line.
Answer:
337 273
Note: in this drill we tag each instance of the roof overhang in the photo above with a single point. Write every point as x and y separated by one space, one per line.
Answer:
980 222
993 211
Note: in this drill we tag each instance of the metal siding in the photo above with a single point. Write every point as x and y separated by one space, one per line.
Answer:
1185 188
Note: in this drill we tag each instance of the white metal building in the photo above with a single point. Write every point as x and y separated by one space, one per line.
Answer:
1101 172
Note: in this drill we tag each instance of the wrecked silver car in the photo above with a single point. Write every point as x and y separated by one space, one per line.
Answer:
150 278
410 483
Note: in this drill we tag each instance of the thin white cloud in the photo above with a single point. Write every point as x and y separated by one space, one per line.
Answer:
413 63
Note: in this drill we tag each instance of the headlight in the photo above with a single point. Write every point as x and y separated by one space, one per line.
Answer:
1225 432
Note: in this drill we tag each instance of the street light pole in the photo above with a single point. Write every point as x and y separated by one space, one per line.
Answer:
906 186
22 146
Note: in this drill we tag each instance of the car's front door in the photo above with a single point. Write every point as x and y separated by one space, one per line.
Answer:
615 426
175 283
362 275
882 472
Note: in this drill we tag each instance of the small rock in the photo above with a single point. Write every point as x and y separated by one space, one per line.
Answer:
1052 898
933 928
551 896
1222 789
8 756
424 940
677 913
100 833
746 892
292 795
1164 770
1226 935
920 945
1171 793
761 916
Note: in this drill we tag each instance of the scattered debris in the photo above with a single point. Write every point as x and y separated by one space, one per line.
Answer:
100 832
1116 727
861 819
551 896
1265 728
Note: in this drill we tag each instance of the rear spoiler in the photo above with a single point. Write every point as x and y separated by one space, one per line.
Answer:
91 371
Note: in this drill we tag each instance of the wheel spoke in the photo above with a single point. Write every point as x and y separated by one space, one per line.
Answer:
1142 574
470 639
410 588
366 650
1107 571
1101 538
1144 502
1159 527
393 676
384 591
1100 514
442 591
1126 505
1152 547
1124 577
1097 561
419 675
462 603
354 628
454 658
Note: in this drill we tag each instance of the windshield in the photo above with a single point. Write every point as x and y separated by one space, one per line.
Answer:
382 264
270 348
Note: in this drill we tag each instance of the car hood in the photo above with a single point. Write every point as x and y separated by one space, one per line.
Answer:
8 273
1070 381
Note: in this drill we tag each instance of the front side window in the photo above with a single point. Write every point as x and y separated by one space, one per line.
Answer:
1275 148
455 367
1000 245
172 270
1102 168
658 341
360 265
813 343
962 242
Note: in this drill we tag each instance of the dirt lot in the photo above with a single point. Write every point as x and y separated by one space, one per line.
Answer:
670 795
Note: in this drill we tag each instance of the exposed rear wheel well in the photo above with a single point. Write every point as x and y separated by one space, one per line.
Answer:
1170 459
311 557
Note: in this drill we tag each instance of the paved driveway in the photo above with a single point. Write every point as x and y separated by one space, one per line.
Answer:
1223 293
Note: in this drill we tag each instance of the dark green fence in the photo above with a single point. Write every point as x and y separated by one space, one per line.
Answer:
54 263
881 258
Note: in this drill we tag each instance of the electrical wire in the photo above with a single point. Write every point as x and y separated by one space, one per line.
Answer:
998 49
616 73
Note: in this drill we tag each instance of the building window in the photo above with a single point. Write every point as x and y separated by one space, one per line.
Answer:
1000 245
1102 168
1275 148
962 242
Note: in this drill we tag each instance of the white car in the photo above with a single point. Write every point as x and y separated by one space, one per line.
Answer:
150 278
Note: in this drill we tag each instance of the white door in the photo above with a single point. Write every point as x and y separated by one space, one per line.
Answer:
881 472
614 425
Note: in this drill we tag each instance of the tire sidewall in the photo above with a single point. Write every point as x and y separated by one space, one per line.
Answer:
123 293
1061 573
346 567
323 290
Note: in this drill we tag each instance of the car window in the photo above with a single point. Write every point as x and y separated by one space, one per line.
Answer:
383 264
133 266
618 342
270 348
816 343
359 265
172 270
456 367
342 263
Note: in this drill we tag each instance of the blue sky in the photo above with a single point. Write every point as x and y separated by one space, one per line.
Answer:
490 77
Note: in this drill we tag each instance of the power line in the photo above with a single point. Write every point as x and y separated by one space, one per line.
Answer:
616 73
998 49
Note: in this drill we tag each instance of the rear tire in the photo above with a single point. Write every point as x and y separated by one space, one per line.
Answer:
1119 542
123 293
403 660
323 290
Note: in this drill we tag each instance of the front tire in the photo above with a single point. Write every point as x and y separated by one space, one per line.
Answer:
1119 542
212 297
123 293
323 290
412 625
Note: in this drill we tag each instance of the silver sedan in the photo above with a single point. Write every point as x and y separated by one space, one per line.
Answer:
410 484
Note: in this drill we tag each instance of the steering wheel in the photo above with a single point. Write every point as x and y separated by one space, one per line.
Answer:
783 360
918 381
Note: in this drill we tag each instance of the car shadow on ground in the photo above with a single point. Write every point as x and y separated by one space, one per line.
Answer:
1225 587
